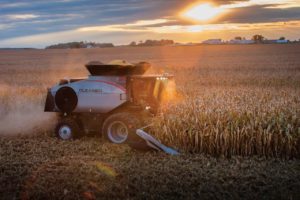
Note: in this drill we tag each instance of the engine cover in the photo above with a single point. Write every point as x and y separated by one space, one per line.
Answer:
99 94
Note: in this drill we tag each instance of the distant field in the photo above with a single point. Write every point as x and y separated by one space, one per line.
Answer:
232 100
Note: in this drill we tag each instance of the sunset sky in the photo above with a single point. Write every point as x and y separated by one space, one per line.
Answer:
37 23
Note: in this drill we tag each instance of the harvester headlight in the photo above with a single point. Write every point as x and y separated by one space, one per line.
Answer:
162 78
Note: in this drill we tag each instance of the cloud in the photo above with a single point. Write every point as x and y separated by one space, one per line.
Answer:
65 1
252 11
224 27
136 26
84 33
4 26
106 33
48 22
136 31
13 5
284 6
42 40
21 16
247 3
261 13
55 18
17 4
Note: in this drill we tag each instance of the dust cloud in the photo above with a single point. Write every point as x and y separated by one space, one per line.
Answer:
24 80
22 111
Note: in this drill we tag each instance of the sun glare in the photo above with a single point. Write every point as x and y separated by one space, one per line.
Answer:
202 12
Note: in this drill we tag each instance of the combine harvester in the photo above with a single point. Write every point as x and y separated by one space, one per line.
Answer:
116 99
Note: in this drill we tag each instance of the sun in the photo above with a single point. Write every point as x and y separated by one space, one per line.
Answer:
202 12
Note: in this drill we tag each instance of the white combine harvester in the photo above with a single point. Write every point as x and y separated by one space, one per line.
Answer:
115 100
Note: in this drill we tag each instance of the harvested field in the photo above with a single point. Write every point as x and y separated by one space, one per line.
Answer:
236 118
45 168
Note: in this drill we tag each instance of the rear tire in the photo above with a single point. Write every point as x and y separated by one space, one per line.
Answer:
67 129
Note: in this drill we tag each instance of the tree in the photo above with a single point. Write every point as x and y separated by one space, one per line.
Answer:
282 38
258 38
156 43
133 43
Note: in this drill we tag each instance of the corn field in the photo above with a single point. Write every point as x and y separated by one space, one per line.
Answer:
233 123
238 101
225 111
230 100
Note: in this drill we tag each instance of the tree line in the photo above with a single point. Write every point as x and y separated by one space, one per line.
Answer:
152 43
79 45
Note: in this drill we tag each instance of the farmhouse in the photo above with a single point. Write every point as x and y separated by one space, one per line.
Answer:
282 41
213 41
242 41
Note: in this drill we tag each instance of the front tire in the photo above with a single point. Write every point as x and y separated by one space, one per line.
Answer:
121 128
67 129
118 127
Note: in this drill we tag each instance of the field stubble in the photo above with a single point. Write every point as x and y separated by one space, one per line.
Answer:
46 168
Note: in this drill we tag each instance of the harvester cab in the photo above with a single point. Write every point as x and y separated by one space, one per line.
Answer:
115 100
